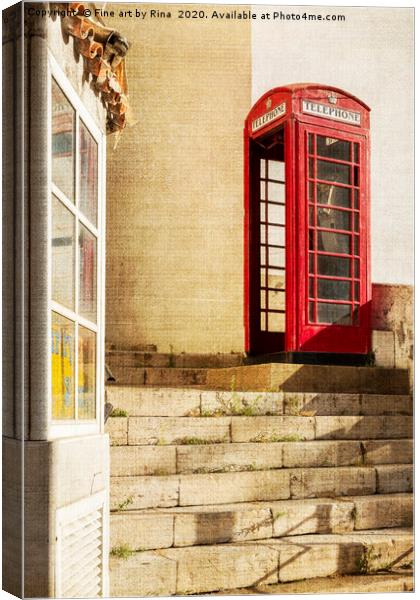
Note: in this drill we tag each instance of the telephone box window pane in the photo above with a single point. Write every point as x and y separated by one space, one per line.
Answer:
262 234
338 243
276 235
263 320
332 194
87 266
311 143
356 291
88 174
356 176
356 268
262 300
262 277
356 153
334 313
276 257
356 221
276 322
356 245
311 311
262 190
334 266
311 168
311 191
311 287
311 263
333 148
276 214
276 279
262 212
275 191
262 168
334 290
356 199
262 254
356 316
276 170
311 216
62 368
334 172
276 300
334 219
62 142
311 239
63 254
87 374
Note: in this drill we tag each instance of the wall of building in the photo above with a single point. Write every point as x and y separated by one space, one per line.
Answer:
371 56
175 181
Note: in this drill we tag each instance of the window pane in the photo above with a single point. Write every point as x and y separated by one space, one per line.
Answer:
262 211
334 219
62 142
276 235
276 213
262 168
276 170
63 254
62 367
333 172
277 279
334 313
262 299
311 143
275 191
332 194
87 374
276 300
262 190
88 194
332 148
276 257
276 322
311 312
262 321
356 291
334 266
334 290
356 153
338 243
87 266
262 234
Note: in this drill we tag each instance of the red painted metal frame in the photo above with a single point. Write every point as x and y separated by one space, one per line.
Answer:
301 335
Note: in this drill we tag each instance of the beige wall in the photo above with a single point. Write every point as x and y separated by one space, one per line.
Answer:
370 55
174 197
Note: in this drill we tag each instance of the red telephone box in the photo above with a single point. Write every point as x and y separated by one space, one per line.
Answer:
307 262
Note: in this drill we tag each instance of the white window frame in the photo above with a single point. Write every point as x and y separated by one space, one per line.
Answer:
74 427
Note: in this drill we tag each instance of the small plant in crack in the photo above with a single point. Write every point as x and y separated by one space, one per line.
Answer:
122 551
125 503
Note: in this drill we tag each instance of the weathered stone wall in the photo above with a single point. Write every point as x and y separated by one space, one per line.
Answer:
175 186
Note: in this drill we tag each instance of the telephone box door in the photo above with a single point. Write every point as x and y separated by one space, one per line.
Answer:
332 242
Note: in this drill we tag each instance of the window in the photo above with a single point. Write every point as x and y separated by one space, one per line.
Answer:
76 260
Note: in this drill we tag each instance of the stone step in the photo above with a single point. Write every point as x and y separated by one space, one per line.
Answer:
401 581
152 431
166 376
217 524
249 486
144 401
310 378
198 569
219 458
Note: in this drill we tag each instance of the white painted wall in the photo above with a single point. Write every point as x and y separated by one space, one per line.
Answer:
371 56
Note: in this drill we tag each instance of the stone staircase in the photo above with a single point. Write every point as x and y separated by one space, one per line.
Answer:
218 486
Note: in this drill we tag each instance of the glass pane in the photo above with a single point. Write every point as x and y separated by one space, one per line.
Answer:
88 191
262 300
356 316
276 235
262 211
276 279
63 254
262 277
275 191
276 300
262 168
262 254
356 199
87 374
311 290
311 239
262 319
356 268
334 219
262 190
262 234
311 263
332 148
356 245
334 290
331 194
356 291
311 143
356 221
276 257
87 266
311 190
333 172
311 168
276 170
334 266
339 243
311 216
356 176
276 322
62 142
356 153
276 213
311 312
62 367
334 313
